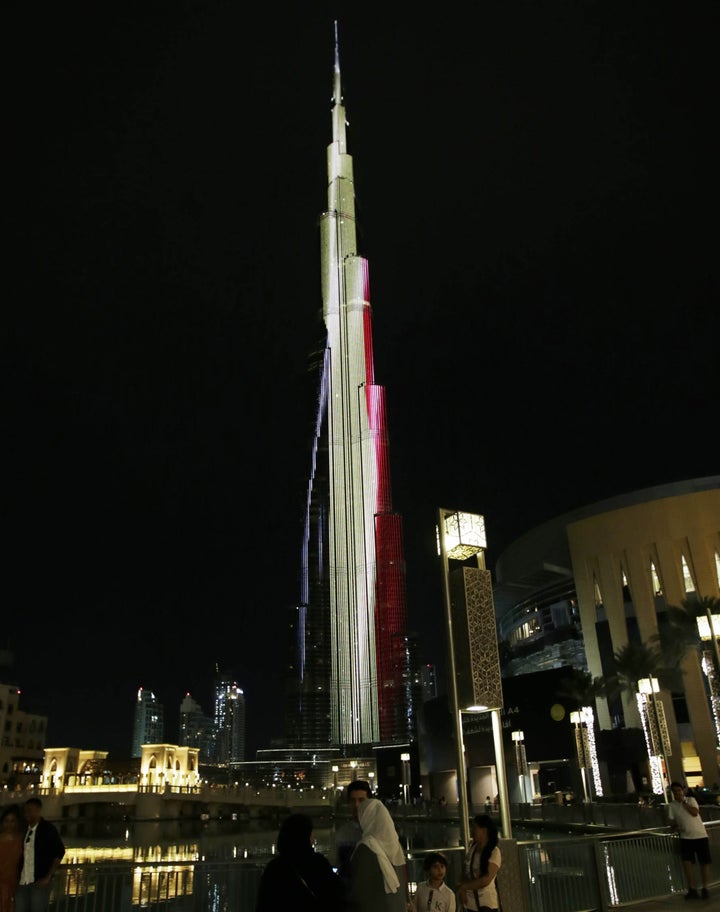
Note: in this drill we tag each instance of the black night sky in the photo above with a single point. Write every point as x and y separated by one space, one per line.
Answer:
537 199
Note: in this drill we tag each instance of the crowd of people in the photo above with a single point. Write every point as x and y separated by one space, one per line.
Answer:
368 869
31 850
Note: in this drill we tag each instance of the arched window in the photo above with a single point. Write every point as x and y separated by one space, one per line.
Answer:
688 581
599 606
657 586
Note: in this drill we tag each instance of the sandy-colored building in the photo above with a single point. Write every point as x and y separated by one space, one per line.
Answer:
579 588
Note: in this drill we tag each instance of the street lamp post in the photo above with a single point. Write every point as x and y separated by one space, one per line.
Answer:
460 537
582 752
709 632
454 701
405 758
656 733
520 762
709 629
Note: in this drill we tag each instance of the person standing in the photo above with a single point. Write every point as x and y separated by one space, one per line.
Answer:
685 819
482 863
434 895
348 835
298 878
378 870
43 850
11 849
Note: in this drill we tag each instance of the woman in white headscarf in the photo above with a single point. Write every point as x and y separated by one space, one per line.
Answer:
378 871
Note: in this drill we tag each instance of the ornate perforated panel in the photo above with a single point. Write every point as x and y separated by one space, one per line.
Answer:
477 662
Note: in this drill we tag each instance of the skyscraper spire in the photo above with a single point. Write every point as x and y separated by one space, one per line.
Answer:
337 87
352 649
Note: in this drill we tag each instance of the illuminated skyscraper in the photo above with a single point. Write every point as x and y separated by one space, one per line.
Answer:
149 722
196 729
351 674
229 721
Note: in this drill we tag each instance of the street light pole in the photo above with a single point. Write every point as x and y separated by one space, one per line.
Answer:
475 681
580 749
520 762
656 727
709 632
713 631
405 758
463 809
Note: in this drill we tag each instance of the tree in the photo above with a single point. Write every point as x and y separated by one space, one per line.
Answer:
580 688
635 661
680 632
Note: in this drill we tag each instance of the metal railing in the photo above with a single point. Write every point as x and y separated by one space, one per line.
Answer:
586 874
605 872
196 887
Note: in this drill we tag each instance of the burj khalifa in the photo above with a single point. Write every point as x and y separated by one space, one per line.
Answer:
350 666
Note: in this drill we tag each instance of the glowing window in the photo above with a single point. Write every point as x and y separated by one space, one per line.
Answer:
687 577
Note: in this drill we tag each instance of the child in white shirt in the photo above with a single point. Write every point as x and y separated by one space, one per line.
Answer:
433 895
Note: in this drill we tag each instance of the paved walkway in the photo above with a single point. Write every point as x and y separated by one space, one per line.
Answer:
677 901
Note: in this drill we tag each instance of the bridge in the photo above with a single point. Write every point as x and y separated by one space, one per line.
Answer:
168 802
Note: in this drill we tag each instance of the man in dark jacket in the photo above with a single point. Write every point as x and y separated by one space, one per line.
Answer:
43 850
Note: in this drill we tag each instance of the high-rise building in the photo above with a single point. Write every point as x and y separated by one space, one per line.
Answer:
22 736
350 669
428 682
229 720
196 729
149 723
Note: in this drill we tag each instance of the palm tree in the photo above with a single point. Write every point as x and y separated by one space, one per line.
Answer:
662 656
682 623
681 633
581 689
633 662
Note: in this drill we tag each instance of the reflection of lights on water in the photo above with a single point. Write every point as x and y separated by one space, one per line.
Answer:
155 850
149 885
97 856
89 855
163 883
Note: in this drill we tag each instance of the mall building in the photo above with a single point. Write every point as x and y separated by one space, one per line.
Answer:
575 590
